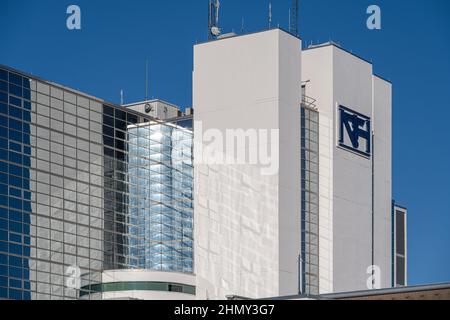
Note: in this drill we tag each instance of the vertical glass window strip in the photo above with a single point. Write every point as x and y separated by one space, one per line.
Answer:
161 160
400 247
309 259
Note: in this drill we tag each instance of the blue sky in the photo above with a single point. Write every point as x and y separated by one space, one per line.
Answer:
412 50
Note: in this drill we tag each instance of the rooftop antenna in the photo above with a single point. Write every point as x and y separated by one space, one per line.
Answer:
289 19
242 25
293 21
146 79
270 15
121 97
213 21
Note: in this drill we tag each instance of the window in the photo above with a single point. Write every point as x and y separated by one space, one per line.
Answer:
400 247
400 230
175 288
3 75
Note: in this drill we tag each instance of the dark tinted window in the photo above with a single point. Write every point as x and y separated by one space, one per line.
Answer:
3 86
108 120
132 119
108 110
400 232
15 90
3 75
3 97
175 288
15 101
400 271
121 115
16 79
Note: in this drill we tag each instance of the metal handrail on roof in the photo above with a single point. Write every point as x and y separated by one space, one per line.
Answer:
309 102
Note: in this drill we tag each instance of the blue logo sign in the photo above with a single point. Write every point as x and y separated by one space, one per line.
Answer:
354 131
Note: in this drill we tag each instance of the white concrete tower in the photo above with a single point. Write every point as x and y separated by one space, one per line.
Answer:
355 175
247 220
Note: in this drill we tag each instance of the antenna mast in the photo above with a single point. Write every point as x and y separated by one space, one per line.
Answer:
213 21
270 15
146 79
293 25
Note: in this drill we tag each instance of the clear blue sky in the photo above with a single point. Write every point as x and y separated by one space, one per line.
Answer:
412 50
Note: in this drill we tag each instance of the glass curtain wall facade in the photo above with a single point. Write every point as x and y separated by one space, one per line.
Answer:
68 189
51 205
161 175
309 258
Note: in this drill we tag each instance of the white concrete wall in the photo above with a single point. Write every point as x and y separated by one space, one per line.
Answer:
382 126
352 210
289 211
317 66
247 225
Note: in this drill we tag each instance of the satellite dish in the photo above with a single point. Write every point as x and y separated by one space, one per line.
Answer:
148 108
215 31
